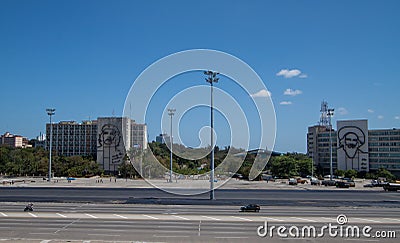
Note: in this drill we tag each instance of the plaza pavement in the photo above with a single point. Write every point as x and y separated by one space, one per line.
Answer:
112 182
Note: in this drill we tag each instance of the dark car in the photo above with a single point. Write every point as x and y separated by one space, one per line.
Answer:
250 208
342 184
350 181
328 183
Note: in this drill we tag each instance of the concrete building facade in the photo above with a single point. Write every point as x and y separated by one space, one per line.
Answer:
71 138
14 141
354 147
106 139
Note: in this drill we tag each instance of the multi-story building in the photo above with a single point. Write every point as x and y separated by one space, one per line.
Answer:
318 147
162 138
71 138
106 139
384 149
354 147
14 141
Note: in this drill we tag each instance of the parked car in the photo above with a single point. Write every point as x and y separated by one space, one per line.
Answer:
350 181
292 181
328 183
315 181
342 184
250 208
301 181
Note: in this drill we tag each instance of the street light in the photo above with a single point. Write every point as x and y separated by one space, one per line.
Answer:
212 78
330 114
50 112
171 112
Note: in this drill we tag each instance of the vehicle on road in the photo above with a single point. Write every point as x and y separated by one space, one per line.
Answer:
28 207
250 208
292 181
391 187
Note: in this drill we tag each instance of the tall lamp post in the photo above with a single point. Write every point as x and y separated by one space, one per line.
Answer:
212 78
50 112
330 114
171 112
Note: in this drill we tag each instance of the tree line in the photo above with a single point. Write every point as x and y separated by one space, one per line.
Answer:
34 162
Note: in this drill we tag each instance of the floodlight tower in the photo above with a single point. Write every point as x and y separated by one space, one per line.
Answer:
212 78
50 112
330 114
171 112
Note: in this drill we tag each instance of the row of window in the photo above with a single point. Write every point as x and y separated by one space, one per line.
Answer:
384 138
383 144
384 133
384 155
390 160
384 149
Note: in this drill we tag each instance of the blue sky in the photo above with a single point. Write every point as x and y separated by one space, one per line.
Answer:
81 57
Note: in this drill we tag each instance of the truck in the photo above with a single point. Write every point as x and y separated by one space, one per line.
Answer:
391 187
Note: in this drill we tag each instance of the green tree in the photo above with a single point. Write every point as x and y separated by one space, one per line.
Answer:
382 172
350 173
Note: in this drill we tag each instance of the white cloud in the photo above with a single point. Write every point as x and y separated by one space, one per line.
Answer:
303 75
286 103
380 117
262 93
292 92
370 111
397 117
289 73
342 111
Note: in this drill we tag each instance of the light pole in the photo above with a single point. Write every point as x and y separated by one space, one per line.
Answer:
171 112
50 112
330 114
212 78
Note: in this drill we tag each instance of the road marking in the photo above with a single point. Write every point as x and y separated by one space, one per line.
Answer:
171 236
361 240
231 237
368 220
45 241
207 217
179 217
309 220
33 215
148 216
5 215
61 215
398 220
273 219
330 219
86 241
120 216
105 235
92 216
241 218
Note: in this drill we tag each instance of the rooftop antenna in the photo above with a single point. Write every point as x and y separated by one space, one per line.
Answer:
324 120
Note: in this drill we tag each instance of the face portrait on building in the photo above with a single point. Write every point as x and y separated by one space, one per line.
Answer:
109 136
353 145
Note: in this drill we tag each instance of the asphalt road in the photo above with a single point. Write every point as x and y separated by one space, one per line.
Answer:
55 222
223 196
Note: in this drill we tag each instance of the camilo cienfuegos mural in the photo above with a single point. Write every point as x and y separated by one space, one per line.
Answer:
352 151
